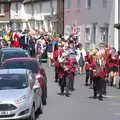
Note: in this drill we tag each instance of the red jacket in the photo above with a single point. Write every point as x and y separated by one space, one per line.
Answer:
71 63
16 44
87 66
87 58
113 62
94 64
56 54
101 74
61 73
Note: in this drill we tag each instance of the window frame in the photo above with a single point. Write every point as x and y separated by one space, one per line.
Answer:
78 4
88 4
2 9
67 4
104 3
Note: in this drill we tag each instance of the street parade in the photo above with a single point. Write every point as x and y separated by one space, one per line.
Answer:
59 60
101 65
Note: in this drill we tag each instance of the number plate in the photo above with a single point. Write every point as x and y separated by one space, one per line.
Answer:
4 113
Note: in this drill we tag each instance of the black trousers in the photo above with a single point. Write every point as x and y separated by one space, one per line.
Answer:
62 84
91 77
98 86
56 74
87 76
71 82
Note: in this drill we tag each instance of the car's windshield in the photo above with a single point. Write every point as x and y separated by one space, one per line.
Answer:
8 55
31 65
13 81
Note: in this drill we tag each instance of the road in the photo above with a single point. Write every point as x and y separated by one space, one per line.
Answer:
79 106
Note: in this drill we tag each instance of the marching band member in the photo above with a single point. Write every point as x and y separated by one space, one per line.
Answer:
87 67
99 85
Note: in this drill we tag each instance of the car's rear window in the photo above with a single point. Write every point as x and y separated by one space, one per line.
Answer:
31 65
8 55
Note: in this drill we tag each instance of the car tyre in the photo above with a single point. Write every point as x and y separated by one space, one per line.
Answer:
40 110
33 116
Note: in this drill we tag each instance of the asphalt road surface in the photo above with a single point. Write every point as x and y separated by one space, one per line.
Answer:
79 106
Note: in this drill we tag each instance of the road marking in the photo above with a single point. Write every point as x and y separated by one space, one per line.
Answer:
117 114
110 96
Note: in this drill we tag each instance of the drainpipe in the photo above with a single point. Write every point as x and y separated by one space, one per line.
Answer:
52 14
116 21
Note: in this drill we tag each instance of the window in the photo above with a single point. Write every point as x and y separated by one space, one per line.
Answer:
78 3
88 4
2 9
16 7
67 4
87 32
104 3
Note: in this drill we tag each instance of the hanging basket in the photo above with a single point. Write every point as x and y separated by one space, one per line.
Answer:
117 26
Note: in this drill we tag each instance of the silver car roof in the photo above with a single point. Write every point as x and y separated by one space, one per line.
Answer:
14 71
12 49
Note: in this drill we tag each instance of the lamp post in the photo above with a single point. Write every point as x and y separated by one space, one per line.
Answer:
117 26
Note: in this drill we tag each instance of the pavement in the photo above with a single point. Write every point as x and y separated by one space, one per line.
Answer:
80 105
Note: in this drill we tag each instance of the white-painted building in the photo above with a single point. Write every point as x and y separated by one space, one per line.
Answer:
18 16
36 14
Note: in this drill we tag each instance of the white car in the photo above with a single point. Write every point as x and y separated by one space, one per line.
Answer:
20 95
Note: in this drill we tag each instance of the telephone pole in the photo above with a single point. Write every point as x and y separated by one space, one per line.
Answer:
60 16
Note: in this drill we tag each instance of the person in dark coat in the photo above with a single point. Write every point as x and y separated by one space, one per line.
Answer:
24 40
31 47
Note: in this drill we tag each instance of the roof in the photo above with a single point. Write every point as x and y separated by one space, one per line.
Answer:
21 59
8 1
13 71
14 50
28 1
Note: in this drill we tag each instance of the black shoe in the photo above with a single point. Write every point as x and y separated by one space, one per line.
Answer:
94 97
67 95
104 93
86 84
101 98
72 89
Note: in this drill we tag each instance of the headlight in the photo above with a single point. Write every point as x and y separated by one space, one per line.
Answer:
20 100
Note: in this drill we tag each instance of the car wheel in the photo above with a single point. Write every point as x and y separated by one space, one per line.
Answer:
40 110
44 102
33 116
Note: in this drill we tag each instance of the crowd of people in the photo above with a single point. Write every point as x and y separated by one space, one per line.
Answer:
101 65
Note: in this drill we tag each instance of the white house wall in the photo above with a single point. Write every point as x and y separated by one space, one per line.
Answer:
20 14
40 10
28 10
46 8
